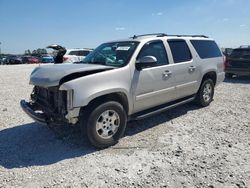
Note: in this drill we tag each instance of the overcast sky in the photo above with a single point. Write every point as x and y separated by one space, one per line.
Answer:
31 24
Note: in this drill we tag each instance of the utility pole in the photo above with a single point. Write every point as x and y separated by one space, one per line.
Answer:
0 49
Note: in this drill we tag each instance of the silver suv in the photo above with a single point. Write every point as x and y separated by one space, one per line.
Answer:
126 80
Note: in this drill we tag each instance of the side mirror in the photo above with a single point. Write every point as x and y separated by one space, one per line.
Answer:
145 61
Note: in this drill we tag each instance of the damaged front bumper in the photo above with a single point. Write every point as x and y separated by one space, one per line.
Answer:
71 117
50 105
29 110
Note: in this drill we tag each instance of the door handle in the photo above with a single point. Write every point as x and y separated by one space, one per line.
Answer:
166 74
192 68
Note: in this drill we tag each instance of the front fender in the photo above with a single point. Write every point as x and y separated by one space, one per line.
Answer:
84 101
87 88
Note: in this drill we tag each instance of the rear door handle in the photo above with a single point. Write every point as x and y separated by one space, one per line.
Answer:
192 68
166 74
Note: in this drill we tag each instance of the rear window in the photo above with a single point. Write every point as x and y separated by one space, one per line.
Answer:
180 51
206 48
240 53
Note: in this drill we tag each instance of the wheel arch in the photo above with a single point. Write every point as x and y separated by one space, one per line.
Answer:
120 97
210 75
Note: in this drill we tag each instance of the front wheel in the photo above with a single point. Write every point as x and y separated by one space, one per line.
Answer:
105 124
205 94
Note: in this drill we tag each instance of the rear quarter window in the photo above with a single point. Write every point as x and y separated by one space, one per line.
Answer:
206 48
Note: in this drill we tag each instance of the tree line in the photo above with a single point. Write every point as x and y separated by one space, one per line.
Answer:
37 52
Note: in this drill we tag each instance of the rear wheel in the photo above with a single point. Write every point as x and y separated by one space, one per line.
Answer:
205 94
105 124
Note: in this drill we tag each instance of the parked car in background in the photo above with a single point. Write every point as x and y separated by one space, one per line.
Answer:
69 55
238 62
227 51
47 59
59 52
13 60
30 60
76 55
2 60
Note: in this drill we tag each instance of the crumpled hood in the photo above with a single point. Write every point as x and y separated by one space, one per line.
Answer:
50 75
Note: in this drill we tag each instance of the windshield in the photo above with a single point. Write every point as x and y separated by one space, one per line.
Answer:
240 53
115 54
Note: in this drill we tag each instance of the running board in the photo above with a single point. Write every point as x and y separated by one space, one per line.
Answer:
168 106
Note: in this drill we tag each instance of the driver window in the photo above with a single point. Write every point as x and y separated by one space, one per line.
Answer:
155 49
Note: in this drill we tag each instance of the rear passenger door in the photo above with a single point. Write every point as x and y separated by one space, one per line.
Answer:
79 56
73 56
185 68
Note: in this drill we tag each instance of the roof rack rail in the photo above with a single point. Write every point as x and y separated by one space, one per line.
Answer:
204 36
244 46
164 35
150 34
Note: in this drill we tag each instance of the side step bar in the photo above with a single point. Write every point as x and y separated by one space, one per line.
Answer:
168 106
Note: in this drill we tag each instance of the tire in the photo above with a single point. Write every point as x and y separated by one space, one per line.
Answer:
229 75
205 94
104 124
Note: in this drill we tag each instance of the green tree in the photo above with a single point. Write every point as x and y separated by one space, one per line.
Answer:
34 52
44 51
27 52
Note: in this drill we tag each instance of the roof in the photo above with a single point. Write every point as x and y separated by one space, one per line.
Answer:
155 36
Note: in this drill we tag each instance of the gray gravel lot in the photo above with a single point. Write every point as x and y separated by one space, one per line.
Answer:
184 147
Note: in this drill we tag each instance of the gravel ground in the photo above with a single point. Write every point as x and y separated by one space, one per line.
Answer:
184 147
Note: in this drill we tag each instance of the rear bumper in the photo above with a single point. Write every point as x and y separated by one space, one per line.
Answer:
220 77
27 108
238 71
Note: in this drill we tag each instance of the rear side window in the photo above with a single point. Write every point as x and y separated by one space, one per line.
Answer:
79 53
206 48
74 53
180 51
83 53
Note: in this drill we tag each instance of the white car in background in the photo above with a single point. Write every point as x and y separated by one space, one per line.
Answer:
76 55
63 55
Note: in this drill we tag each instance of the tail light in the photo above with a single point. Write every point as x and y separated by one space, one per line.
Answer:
226 62
65 58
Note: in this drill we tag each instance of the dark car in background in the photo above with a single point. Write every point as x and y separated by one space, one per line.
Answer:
227 51
238 62
13 60
2 60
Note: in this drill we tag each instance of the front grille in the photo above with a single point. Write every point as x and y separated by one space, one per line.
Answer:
51 101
